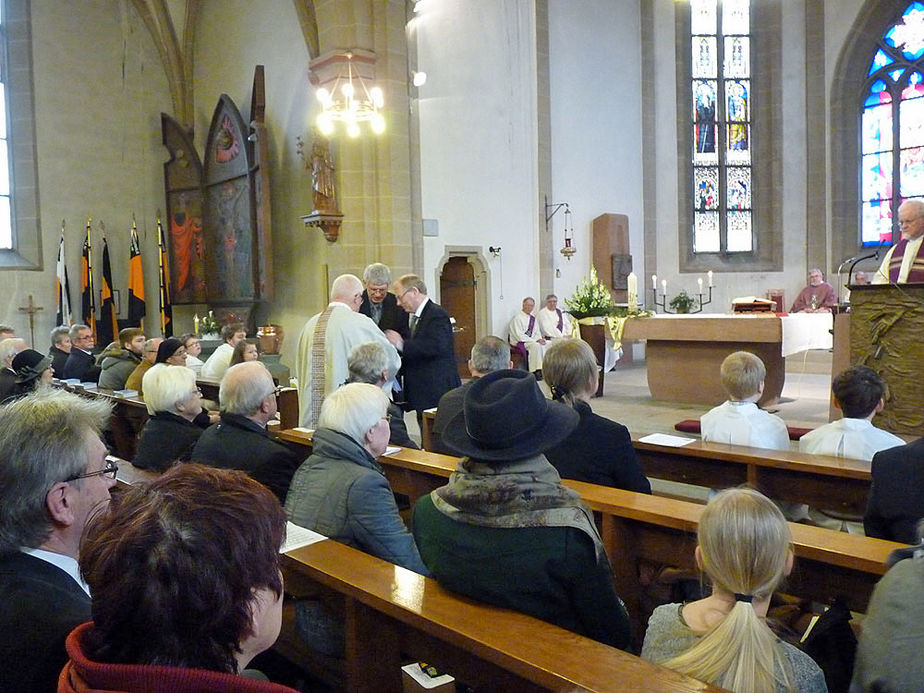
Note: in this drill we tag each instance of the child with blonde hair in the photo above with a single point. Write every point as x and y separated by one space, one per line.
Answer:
744 549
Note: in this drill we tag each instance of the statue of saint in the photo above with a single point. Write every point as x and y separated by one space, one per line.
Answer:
322 176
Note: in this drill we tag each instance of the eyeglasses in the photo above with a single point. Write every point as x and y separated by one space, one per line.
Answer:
387 418
196 391
405 293
109 471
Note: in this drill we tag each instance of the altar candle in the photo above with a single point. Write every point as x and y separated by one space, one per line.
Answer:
700 282
709 274
632 285
654 281
664 287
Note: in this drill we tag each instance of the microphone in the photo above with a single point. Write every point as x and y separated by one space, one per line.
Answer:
855 260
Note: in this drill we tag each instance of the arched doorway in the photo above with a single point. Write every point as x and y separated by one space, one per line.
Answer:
457 296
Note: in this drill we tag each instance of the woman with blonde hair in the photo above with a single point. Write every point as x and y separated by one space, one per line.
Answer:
744 549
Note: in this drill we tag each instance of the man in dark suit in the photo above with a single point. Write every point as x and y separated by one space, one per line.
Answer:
80 363
53 477
379 303
896 499
427 355
240 440
488 355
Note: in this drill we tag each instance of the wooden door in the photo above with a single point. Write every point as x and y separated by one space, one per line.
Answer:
457 296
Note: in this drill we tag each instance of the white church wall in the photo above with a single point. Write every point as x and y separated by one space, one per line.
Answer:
97 146
478 141
596 87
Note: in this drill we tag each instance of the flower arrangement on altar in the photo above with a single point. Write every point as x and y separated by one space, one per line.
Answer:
206 325
591 298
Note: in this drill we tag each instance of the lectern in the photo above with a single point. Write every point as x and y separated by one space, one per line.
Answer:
887 334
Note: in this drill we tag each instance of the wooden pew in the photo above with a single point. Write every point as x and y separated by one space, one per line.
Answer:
822 481
394 616
637 526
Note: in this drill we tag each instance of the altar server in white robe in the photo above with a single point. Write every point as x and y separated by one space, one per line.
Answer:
524 335
553 323
324 347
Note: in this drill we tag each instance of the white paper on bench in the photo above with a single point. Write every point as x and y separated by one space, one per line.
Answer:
665 439
297 537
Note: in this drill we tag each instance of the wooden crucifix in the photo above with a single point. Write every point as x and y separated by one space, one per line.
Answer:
31 309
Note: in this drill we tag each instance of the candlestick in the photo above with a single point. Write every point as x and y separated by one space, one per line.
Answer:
709 274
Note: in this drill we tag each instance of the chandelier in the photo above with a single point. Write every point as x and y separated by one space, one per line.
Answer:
348 100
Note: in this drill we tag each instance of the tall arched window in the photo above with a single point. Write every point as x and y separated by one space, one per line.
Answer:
6 220
892 127
721 120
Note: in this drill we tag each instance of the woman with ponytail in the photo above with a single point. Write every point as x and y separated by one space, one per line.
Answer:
744 549
598 451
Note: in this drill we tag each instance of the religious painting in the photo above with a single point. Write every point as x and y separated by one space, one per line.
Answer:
704 116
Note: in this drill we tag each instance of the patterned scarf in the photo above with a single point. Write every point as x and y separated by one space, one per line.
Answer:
508 495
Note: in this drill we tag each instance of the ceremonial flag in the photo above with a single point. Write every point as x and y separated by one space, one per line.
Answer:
166 310
108 322
88 302
136 306
62 286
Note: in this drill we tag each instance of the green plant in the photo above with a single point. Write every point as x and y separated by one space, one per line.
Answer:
682 302
208 324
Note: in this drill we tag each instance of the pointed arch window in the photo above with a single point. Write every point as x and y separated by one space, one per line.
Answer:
6 219
892 127
721 120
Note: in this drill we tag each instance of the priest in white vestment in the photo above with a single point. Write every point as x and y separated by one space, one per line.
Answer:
553 323
524 335
322 363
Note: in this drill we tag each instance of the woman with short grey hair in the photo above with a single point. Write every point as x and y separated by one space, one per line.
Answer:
174 403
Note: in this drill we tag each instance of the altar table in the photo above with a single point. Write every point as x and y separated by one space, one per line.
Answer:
685 352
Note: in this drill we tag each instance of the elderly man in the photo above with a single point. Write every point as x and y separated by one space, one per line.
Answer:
553 323
148 359
369 364
8 350
240 440
525 337
817 297
117 362
379 303
904 262
216 364
53 476
80 363
6 332
488 355
325 344
429 356
60 348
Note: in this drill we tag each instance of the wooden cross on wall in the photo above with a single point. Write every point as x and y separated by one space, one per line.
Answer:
31 309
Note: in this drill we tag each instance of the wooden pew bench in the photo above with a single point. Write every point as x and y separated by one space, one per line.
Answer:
394 616
637 527
822 481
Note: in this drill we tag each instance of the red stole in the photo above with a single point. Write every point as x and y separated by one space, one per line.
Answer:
915 273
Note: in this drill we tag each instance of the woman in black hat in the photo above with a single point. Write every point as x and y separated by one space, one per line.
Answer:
504 530
33 370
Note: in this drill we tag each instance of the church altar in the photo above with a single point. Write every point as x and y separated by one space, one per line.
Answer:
684 353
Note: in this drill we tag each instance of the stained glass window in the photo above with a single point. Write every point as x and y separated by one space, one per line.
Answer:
892 128
722 133
6 219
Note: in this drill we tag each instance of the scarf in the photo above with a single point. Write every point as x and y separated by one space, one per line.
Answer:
522 493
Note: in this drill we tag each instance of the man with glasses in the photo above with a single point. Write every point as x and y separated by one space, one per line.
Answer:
53 476
379 303
324 347
80 362
904 262
239 440
148 358
429 355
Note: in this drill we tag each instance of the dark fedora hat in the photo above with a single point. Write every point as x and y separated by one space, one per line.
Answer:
29 364
506 417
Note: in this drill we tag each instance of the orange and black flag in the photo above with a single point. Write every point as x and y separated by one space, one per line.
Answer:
108 322
166 309
136 306
88 303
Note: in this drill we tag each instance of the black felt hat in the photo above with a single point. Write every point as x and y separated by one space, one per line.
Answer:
29 364
506 417
167 349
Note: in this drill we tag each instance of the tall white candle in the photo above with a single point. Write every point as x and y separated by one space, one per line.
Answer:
709 274
654 281
699 281
664 287
632 291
